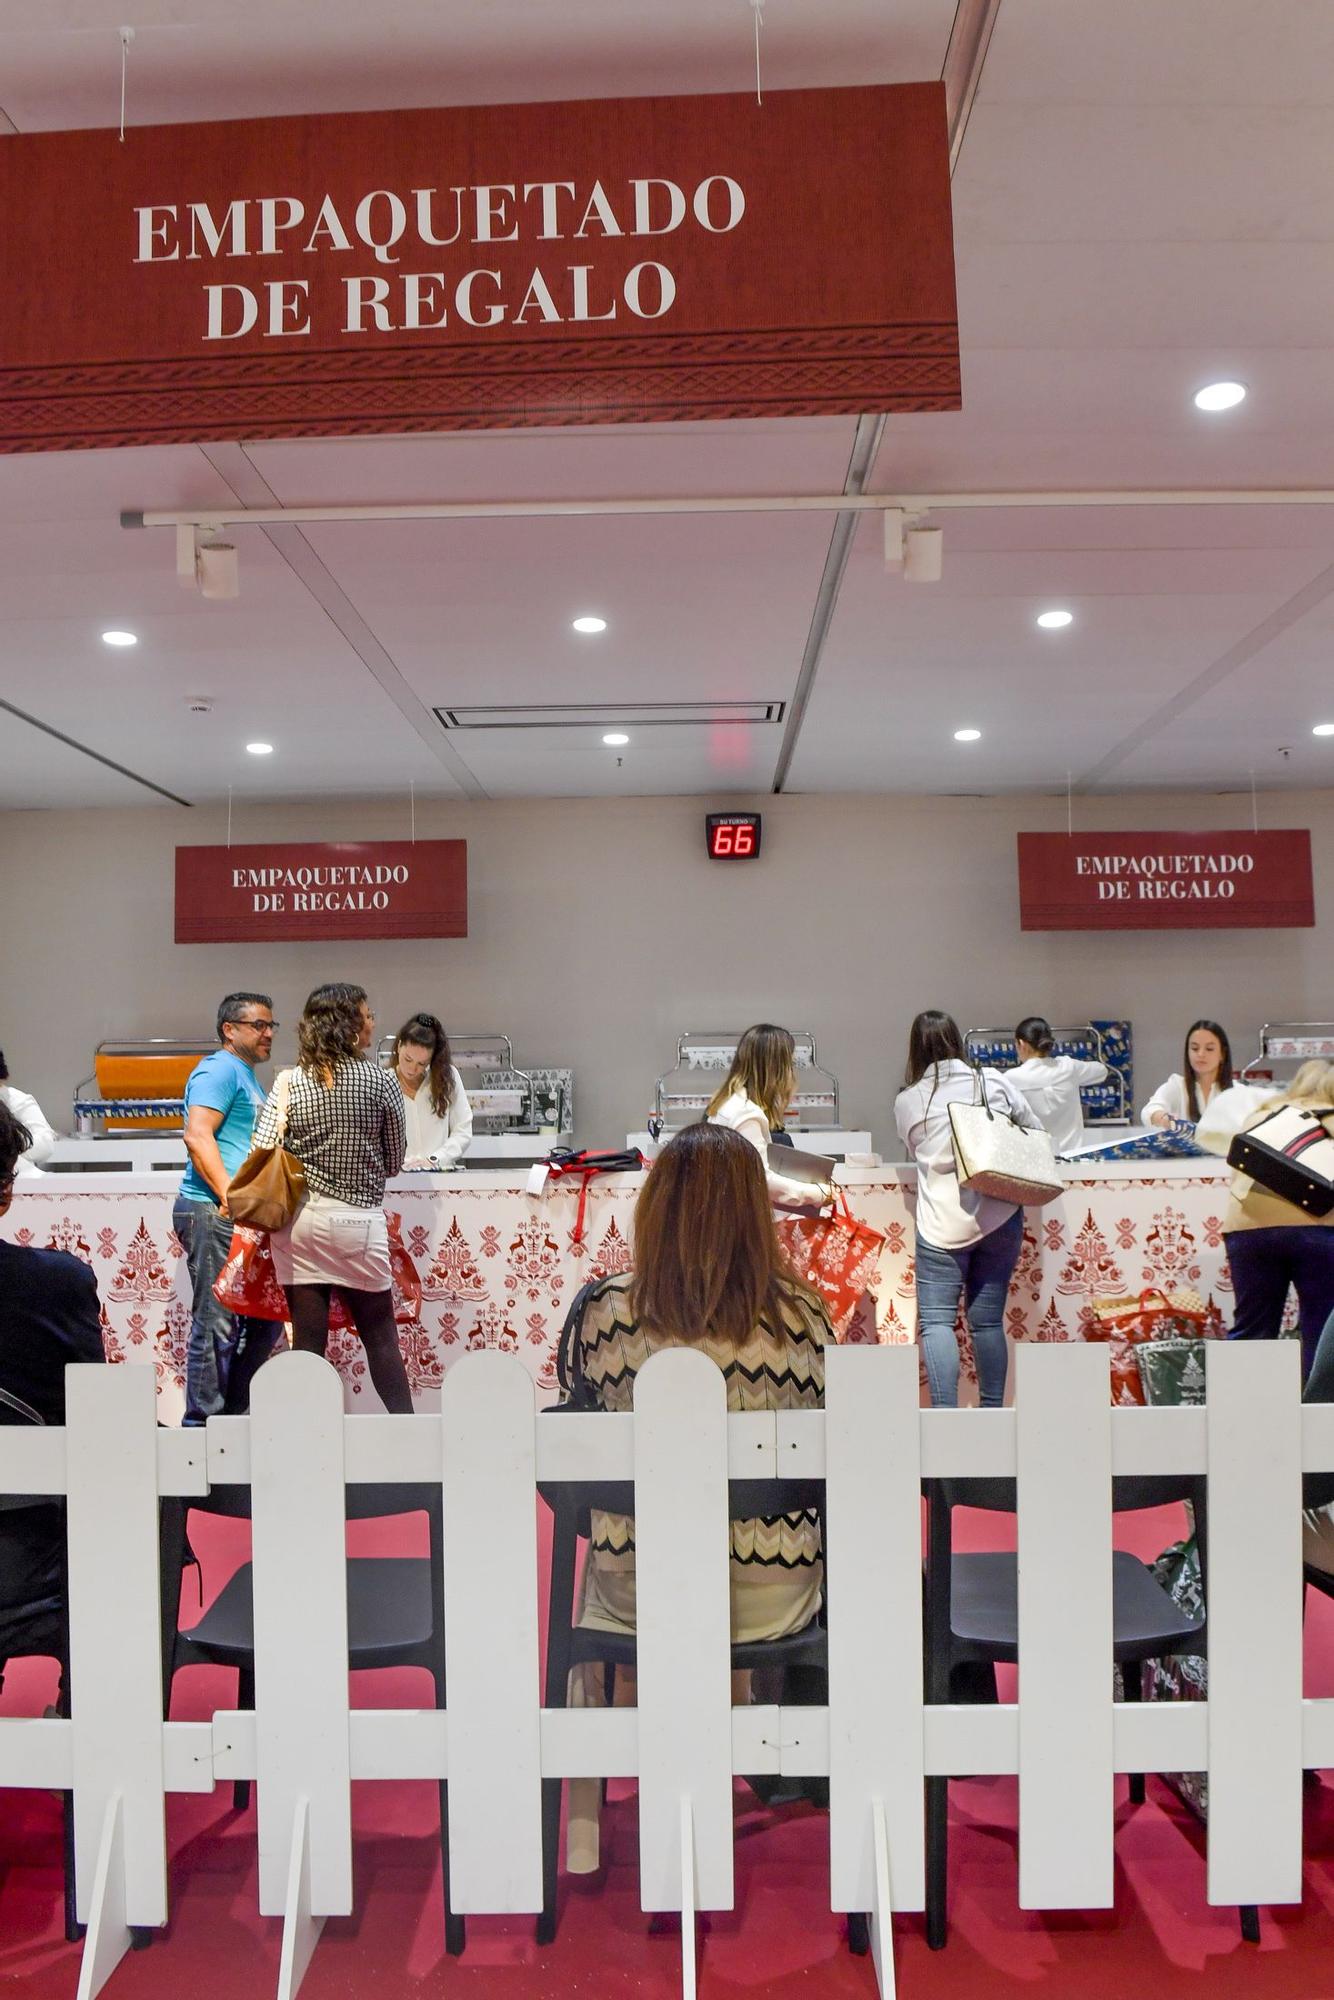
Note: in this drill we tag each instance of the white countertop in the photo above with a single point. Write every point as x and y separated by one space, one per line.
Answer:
514 1178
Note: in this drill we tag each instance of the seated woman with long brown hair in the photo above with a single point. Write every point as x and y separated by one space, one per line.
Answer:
708 1273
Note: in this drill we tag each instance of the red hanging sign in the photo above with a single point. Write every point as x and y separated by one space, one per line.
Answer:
1165 881
343 889
642 259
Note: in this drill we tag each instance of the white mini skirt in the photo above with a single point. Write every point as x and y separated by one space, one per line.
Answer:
331 1243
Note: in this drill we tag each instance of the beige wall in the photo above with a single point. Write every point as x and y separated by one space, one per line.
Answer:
599 931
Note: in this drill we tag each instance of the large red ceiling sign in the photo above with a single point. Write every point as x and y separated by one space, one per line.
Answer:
642 259
1165 881
345 889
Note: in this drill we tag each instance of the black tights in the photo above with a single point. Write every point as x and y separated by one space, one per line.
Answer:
373 1316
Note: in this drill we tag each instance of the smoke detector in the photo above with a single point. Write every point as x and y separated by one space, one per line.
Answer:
199 704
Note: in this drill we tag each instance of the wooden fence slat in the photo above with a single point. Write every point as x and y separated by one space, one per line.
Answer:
684 1626
1064 1456
873 1518
300 1575
1255 1622
492 1684
115 1654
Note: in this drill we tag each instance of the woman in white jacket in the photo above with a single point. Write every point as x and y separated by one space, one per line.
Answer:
439 1116
1206 1071
755 1096
42 1138
1052 1083
967 1244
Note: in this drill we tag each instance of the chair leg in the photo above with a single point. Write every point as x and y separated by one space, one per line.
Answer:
937 1861
545 1930
245 1698
74 1930
1250 1923
456 1929
560 1617
1132 1689
859 1933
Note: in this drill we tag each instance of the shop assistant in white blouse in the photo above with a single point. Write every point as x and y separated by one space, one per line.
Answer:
437 1139
1052 1084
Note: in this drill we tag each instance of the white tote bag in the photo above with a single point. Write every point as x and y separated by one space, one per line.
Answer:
995 1155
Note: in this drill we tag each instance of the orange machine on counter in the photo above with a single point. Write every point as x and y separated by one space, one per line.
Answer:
138 1086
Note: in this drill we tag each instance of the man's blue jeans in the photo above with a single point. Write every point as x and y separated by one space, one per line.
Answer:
223 1351
980 1274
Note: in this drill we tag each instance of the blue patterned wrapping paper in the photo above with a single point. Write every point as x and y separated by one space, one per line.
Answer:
1142 1145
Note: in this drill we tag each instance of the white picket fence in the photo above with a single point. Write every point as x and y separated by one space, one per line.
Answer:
1065 1737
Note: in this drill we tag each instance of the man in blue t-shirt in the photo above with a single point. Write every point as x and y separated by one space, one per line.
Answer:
222 1099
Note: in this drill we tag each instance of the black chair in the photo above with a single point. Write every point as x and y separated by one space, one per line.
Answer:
801 1657
972 1624
395 1616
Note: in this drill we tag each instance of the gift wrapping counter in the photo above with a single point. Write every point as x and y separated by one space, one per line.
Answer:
499 1266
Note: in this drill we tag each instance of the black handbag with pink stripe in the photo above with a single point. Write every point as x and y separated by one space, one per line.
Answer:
1291 1154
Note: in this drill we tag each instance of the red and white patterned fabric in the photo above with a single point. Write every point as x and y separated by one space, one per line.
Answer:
499 1266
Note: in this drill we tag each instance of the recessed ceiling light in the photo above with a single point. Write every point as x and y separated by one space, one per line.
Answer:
260 749
967 735
120 638
1323 729
590 624
1055 621
1220 396
615 738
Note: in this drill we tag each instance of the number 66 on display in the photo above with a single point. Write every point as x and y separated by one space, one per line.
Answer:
732 836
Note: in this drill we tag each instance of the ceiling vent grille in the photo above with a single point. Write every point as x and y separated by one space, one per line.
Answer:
619 715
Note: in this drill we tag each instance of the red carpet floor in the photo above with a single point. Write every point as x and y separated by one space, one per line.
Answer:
779 1942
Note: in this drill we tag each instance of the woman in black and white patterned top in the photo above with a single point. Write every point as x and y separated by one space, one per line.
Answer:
344 1122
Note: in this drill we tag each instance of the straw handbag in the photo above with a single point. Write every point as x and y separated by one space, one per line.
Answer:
269 1185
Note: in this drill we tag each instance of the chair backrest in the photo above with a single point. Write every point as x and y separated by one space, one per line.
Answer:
1130 1492
370 1500
366 1501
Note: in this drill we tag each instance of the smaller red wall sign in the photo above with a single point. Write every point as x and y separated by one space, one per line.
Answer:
340 889
1165 881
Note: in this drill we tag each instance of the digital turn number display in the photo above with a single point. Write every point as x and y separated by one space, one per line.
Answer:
732 836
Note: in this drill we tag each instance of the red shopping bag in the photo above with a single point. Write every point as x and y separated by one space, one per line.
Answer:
1154 1315
834 1254
247 1282
407 1285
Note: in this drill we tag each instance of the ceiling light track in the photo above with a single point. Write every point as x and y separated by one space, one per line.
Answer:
1119 496
206 520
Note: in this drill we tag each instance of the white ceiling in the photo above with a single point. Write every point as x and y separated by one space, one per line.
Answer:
1144 201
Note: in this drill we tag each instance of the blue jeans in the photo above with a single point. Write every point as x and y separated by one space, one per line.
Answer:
980 1274
223 1351
1264 1262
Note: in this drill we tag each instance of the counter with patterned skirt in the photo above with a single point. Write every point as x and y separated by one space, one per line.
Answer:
498 1266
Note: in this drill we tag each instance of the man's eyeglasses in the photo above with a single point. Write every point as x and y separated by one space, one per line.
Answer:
260 1027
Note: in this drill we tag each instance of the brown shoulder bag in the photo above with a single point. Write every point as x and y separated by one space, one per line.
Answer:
268 1187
